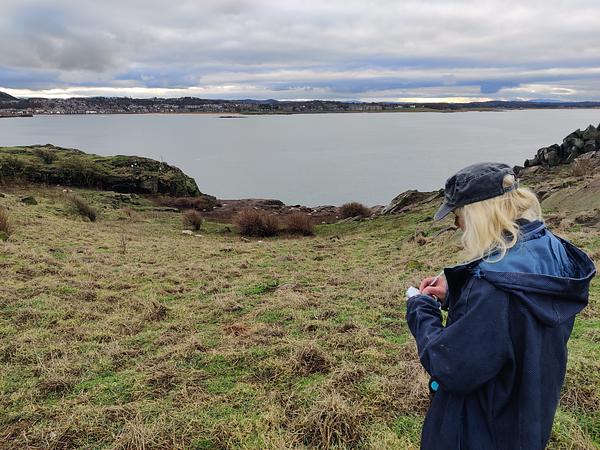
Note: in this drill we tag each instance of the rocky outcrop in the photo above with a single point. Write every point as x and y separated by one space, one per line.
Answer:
226 210
574 145
410 199
69 167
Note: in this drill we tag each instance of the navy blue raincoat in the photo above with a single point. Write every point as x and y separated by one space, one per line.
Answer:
500 360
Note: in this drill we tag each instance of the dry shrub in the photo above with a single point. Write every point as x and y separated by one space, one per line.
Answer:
5 224
83 208
348 375
127 211
309 358
155 311
354 209
333 422
55 384
300 223
162 379
257 223
193 219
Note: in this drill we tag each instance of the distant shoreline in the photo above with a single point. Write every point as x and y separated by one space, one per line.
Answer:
303 113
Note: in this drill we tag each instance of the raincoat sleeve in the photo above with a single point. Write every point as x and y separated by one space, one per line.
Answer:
473 348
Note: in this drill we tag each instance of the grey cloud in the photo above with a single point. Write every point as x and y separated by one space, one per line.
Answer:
185 43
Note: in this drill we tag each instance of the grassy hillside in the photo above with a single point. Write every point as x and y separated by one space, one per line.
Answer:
70 167
126 333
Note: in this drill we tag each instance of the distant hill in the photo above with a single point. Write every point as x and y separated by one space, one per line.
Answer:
4 96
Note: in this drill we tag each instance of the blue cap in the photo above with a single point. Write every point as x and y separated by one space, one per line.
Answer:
472 184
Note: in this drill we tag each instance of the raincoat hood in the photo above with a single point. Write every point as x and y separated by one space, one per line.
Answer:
547 273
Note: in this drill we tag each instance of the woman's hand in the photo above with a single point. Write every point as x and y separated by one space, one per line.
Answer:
437 289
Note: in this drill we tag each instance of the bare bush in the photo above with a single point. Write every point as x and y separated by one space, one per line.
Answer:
83 208
254 222
192 218
354 209
5 224
127 211
300 223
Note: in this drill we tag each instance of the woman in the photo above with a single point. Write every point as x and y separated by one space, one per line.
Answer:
498 364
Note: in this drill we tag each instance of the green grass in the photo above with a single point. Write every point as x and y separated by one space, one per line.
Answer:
215 342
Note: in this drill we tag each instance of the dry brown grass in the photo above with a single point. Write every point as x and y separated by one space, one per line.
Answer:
83 208
192 219
6 227
333 422
354 209
257 223
299 223
310 358
182 342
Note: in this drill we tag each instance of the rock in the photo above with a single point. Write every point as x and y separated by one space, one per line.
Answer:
589 146
29 200
349 219
588 218
573 145
71 167
530 170
590 133
531 162
578 143
552 158
408 199
588 156
574 135
574 154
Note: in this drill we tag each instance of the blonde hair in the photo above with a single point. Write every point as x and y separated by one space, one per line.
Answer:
490 225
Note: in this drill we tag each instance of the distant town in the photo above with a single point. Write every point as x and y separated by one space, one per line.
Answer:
27 107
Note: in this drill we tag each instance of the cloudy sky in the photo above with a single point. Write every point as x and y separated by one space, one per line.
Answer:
393 50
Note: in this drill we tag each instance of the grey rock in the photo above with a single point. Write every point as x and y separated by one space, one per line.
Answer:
574 154
552 158
578 143
590 133
589 146
409 199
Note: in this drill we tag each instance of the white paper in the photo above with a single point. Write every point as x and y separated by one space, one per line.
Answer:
412 291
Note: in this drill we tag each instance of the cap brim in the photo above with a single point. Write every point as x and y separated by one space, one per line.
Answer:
444 210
